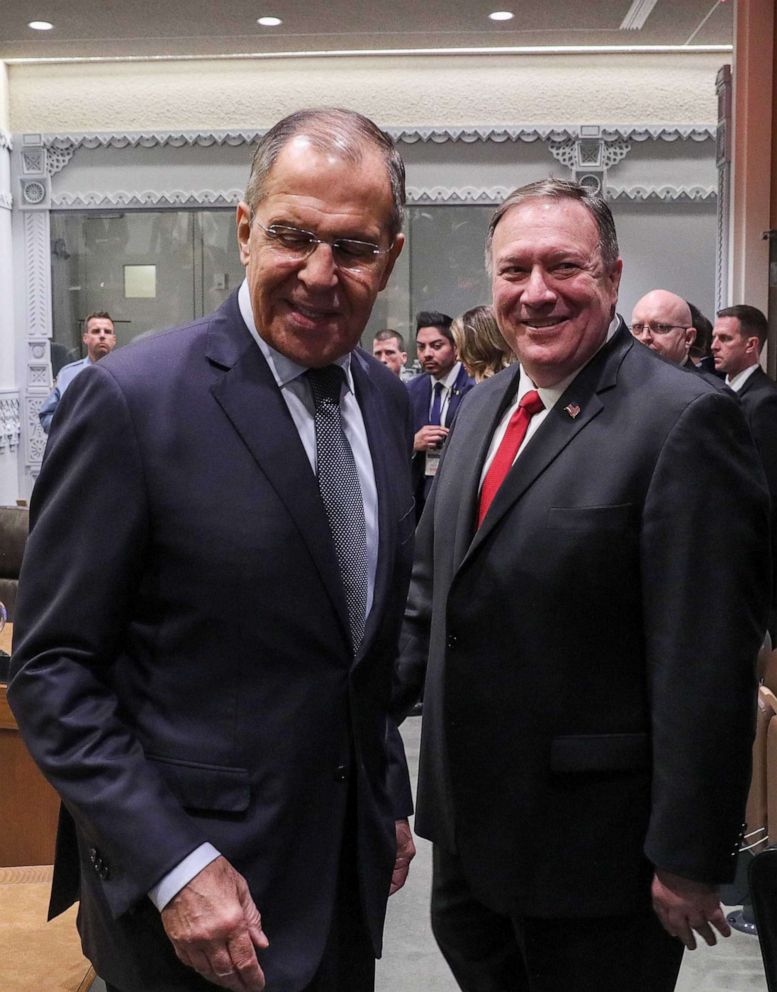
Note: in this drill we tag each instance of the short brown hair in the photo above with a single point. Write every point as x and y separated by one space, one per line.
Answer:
562 189
752 321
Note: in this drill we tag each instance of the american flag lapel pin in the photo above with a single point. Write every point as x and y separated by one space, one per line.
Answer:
573 409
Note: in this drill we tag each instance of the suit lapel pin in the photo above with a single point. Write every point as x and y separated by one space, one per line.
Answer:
573 409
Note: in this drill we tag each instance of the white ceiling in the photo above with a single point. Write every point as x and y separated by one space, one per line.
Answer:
116 28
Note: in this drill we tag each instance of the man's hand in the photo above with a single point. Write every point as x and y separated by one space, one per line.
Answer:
430 436
215 928
405 854
683 906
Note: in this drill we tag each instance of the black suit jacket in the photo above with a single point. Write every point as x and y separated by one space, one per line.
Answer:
182 668
758 397
583 720
420 390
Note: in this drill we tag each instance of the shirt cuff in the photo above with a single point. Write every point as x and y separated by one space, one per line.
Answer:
172 883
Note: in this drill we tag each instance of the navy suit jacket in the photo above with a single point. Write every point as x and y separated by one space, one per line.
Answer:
182 661
420 390
576 698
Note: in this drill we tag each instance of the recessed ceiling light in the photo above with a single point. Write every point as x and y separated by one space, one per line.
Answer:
502 15
269 22
40 25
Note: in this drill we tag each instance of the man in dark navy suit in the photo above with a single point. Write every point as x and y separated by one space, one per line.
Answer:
435 397
202 663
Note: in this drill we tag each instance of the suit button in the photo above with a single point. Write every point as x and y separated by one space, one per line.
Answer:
341 773
452 641
92 855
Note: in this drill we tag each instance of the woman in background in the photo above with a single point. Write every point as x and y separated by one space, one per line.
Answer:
481 347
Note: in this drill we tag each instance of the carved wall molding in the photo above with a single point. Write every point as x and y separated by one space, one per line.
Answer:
696 194
10 421
149 198
37 271
415 195
67 144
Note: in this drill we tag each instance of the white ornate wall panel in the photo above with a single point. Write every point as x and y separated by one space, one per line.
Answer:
452 90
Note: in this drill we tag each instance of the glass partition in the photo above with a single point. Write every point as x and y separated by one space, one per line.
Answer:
157 268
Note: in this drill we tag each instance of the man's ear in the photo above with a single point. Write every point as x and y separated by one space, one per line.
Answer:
391 258
243 223
690 335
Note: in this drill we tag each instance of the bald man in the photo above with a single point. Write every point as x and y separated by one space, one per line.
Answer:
662 320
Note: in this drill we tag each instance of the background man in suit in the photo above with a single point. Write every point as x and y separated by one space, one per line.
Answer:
663 321
389 347
202 670
738 338
435 397
100 340
574 703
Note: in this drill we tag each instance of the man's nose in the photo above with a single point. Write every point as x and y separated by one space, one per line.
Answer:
319 267
537 290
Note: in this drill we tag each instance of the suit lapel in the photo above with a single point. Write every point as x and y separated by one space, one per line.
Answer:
250 398
472 440
576 408
375 415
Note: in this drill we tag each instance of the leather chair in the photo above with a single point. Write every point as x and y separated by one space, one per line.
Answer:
14 524
763 890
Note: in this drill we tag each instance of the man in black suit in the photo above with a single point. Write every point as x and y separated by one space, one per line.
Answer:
738 338
575 701
663 321
435 397
202 663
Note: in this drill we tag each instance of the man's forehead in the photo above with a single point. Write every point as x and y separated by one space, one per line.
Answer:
563 223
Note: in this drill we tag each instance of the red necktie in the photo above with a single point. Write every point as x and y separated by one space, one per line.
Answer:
508 449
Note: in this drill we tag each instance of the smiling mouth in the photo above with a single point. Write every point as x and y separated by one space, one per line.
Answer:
542 323
314 314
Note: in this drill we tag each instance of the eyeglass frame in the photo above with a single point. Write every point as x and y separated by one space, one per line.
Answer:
657 327
315 241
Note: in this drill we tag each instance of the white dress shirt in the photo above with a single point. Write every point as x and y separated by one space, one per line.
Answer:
736 382
550 395
447 381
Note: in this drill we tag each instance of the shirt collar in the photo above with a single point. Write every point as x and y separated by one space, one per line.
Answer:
451 376
284 370
737 381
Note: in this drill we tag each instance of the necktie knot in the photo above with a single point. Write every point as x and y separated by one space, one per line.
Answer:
326 384
532 403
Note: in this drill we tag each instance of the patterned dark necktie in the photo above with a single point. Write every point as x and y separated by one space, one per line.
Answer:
338 483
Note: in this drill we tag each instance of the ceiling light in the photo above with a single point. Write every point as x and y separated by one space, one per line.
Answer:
40 25
637 14
501 15
269 22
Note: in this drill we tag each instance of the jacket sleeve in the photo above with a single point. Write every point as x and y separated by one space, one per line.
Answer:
78 587
705 589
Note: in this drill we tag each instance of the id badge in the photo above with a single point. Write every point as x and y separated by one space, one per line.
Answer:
432 462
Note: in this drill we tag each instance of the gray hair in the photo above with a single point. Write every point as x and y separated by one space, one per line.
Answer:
330 129
558 189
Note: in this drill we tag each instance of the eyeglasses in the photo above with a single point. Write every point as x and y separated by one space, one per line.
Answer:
656 328
347 253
